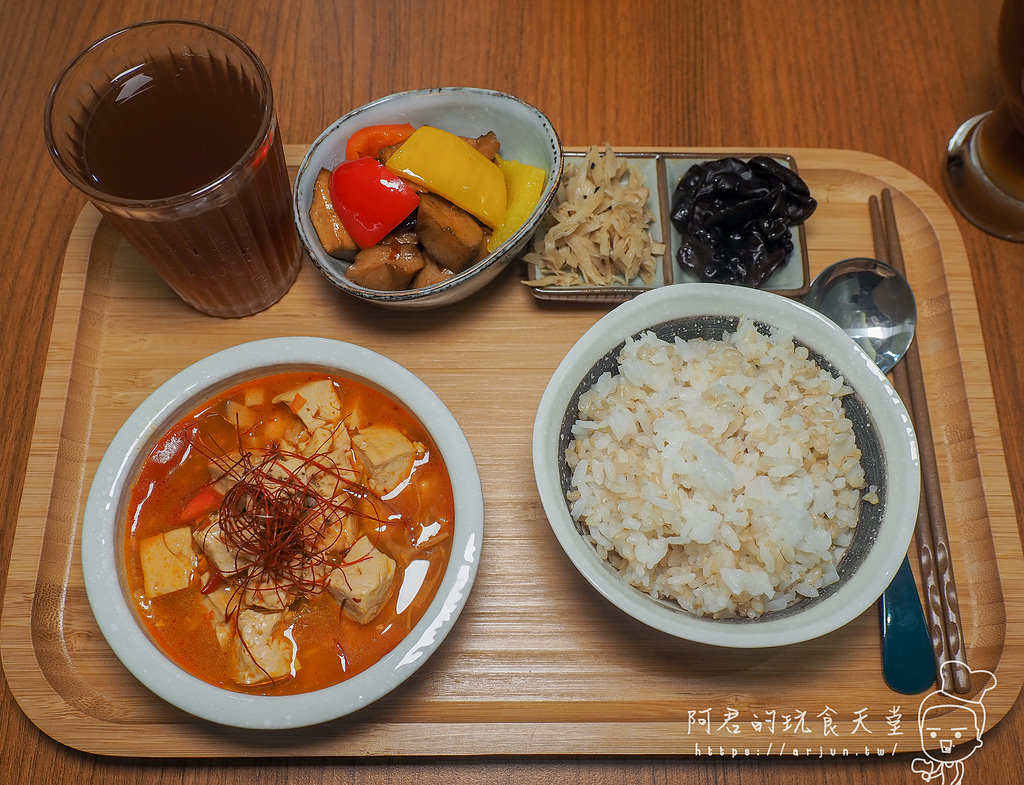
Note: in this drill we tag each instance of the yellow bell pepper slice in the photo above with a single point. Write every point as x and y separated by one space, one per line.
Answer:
454 169
524 184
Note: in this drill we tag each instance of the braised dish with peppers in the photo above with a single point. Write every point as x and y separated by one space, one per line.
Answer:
288 533
411 207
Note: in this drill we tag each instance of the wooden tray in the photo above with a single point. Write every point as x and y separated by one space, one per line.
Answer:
538 663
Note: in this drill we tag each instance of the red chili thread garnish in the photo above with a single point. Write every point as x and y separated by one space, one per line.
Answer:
278 518
275 516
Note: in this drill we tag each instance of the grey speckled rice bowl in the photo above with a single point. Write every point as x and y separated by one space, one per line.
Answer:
881 428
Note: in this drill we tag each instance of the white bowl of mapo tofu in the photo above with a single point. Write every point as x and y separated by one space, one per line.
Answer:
282 533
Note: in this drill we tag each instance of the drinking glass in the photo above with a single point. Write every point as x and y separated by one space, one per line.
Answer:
168 127
984 171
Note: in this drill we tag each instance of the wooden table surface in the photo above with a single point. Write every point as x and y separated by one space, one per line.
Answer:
893 79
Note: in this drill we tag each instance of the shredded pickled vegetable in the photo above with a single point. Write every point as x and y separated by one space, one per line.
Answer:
597 230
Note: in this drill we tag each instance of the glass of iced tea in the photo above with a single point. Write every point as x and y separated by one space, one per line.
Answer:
984 171
168 127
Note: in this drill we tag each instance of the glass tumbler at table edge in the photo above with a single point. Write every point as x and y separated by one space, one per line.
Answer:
218 231
984 164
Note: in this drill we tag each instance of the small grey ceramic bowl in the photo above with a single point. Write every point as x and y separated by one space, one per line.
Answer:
526 136
106 512
882 428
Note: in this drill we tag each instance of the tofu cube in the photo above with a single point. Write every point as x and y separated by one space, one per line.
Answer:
266 594
254 396
386 455
241 416
335 532
225 559
331 449
218 602
316 403
263 651
333 235
167 561
363 582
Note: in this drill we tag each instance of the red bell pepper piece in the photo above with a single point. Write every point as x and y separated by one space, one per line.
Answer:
206 500
371 200
367 142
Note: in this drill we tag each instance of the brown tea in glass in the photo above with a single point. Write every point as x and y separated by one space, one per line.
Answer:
169 129
984 171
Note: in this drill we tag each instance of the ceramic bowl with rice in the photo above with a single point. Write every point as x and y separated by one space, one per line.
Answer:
727 466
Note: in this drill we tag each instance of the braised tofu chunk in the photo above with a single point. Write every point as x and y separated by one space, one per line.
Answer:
328 226
335 532
167 561
262 649
451 236
267 595
486 144
322 441
389 265
431 273
316 403
218 602
363 581
241 416
330 472
222 472
283 468
386 455
224 558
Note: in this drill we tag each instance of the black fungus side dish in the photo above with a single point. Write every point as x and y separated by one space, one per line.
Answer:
734 218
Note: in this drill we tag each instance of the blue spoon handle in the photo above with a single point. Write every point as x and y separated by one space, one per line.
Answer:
908 659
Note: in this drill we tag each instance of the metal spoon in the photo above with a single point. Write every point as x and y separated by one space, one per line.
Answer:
874 305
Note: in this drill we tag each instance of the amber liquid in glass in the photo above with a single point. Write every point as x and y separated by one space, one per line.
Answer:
1001 135
161 130
175 126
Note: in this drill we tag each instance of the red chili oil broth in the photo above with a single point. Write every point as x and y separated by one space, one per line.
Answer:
330 646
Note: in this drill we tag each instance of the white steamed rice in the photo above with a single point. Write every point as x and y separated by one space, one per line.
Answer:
721 474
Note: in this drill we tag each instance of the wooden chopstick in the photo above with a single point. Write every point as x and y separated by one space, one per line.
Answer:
942 606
